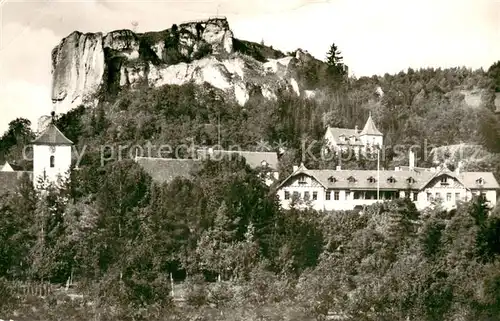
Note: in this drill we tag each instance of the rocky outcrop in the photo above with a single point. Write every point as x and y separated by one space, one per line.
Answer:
77 68
87 67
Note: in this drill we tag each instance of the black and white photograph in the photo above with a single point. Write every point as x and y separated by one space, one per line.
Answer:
236 160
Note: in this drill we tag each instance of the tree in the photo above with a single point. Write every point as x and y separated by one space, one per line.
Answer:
336 68
15 138
494 74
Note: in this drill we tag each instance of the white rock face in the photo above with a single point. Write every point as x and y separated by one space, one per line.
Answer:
85 63
158 48
268 93
295 86
77 69
310 93
124 41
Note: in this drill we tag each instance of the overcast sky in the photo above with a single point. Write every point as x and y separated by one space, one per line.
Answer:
375 36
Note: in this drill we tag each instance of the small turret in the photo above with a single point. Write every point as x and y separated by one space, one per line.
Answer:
370 135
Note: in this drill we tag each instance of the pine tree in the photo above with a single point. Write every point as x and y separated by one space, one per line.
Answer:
336 70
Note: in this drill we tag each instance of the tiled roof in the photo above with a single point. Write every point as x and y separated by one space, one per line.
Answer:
370 128
165 170
52 136
347 133
253 159
9 180
419 169
470 180
334 179
11 166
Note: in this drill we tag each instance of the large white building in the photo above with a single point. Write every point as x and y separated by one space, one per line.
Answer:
347 189
346 138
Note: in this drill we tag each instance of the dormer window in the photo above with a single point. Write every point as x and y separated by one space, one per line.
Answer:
410 180
351 179
52 161
332 179
444 180
371 179
391 180
480 181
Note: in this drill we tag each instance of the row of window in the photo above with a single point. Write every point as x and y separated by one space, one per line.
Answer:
431 197
358 195
372 195
307 195
437 196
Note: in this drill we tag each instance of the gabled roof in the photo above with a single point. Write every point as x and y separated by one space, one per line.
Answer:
401 182
52 136
370 128
165 170
11 167
336 133
253 159
470 180
9 180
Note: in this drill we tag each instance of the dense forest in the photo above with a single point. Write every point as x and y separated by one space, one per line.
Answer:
119 236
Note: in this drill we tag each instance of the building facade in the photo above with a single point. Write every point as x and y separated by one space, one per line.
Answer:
51 157
344 139
347 189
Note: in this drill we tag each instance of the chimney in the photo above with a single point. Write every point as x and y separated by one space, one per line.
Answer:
459 168
411 160
338 168
356 129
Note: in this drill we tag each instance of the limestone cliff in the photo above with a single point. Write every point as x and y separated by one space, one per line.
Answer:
86 67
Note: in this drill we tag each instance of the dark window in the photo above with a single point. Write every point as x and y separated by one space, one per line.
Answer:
444 180
351 179
336 196
415 196
359 195
371 180
328 196
302 180
52 159
287 195
391 180
315 196
296 195
306 196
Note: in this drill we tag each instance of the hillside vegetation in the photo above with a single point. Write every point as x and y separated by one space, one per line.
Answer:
119 236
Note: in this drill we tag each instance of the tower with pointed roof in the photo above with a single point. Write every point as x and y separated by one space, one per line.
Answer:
51 156
370 135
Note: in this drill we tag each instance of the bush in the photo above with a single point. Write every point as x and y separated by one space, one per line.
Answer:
196 291
9 301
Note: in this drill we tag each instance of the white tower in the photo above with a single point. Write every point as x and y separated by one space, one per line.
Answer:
51 156
370 135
